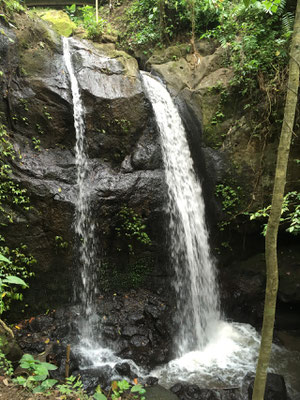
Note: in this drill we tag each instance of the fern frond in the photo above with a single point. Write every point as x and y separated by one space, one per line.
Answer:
287 22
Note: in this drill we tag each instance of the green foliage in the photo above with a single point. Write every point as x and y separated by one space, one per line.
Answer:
39 129
290 214
46 113
19 265
60 243
10 192
36 143
72 386
122 390
230 197
38 380
246 33
6 366
11 196
146 24
86 18
132 229
8 7
269 5
5 283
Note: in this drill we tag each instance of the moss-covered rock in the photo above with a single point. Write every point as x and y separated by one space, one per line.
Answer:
59 20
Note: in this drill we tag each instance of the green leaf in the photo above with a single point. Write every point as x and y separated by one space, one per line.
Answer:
50 367
20 380
48 383
14 280
123 385
40 378
39 389
138 388
27 357
2 258
99 396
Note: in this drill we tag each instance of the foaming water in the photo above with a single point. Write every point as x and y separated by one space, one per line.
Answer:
210 352
84 224
224 361
195 284
230 354
98 357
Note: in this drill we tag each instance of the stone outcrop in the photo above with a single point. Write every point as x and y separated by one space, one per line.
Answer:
203 80
243 288
136 325
124 158
275 390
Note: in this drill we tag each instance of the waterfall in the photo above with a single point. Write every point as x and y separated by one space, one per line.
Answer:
195 285
84 224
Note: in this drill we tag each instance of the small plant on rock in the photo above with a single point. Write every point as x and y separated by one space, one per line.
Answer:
132 228
37 381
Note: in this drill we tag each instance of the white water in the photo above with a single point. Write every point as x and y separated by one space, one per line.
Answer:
196 288
210 352
84 224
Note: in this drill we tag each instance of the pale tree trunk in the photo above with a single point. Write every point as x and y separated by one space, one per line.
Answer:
97 12
193 22
276 207
196 55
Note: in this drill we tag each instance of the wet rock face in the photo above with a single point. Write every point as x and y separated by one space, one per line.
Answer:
124 159
243 288
136 325
275 387
275 390
185 391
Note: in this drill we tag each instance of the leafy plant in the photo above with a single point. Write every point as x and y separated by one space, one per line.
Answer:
8 7
6 282
85 17
121 390
37 381
46 113
6 366
290 214
10 192
72 386
60 243
19 265
229 196
132 228
36 143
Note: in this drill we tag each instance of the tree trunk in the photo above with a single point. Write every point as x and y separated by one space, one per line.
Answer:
276 207
97 12
161 19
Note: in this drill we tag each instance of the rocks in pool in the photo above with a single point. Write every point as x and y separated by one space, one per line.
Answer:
275 390
158 392
186 391
275 387
136 325
91 378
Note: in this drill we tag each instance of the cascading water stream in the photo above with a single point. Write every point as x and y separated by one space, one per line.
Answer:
92 353
84 224
211 352
196 288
